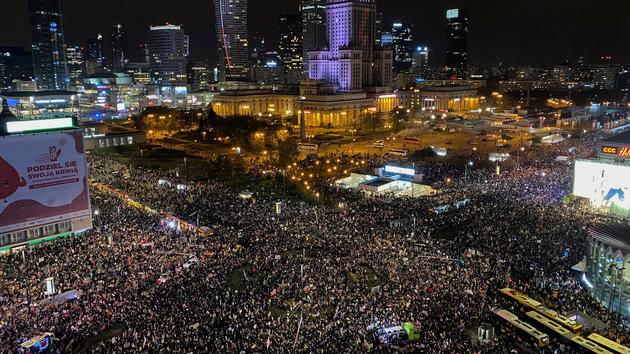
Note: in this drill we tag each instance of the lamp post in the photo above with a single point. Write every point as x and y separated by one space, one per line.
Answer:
302 119
469 163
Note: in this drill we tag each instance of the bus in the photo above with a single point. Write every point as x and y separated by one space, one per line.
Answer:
537 306
398 152
567 336
307 147
413 140
533 337
609 344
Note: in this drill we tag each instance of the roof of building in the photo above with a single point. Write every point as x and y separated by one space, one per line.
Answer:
615 235
38 93
623 138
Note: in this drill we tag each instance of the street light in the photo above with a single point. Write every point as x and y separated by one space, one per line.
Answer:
468 164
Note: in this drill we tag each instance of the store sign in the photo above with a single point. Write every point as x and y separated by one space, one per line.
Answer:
623 151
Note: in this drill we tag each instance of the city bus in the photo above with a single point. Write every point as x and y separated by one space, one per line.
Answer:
537 306
307 147
397 152
609 344
565 335
413 140
533 338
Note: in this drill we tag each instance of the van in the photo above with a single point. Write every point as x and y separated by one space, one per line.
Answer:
379 144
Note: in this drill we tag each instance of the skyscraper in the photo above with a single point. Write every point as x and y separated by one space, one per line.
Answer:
94 55
15 65
457 42
49 52
167 54
76 64
378 28
351 62
313 27
119 48
231 27
402 39
290 45
420 59
198 75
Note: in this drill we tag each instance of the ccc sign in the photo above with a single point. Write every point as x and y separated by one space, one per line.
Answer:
609 150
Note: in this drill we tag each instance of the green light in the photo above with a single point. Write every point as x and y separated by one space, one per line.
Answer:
26 126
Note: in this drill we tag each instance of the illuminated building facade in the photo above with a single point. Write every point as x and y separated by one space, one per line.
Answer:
119 48
420 60
48 44
74 55
402 39
457 28
608 267
167 54
94 55
348 60
290 46
231 27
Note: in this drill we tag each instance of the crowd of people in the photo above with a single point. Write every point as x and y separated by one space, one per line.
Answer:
309 278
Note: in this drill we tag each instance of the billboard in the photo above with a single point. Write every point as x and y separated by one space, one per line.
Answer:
400 170
43 180
603 183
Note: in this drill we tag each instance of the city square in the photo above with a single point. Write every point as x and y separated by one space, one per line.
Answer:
329 185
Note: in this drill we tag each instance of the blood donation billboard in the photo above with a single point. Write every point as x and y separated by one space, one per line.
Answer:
43 179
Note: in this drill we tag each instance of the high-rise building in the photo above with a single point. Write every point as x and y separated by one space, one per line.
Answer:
231 27
348 61
94 55
457 28
76 64
290 46
119 48
420 59
313 27
49 52
378 28
257 48
15 65
402 39
198 75
167 54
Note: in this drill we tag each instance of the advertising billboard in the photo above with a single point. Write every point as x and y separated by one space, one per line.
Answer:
603 183
43 180
400 170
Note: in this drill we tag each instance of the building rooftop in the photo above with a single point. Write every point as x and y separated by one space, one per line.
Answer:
616 236
623 138
16 94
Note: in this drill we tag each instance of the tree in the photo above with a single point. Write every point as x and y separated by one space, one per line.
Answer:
287 151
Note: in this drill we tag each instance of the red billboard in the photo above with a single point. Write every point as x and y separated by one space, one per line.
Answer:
43 180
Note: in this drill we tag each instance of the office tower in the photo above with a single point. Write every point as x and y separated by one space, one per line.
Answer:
76 64
15 65
49 52
94 55
457 42
231 27
119 48
198 75
167 54
144 53
257 48
402 40
313 27
378 28
420 59
272 70
290 46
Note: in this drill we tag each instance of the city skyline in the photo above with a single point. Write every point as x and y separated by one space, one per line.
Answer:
515 33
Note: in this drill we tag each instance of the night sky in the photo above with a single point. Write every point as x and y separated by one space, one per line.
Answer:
509 31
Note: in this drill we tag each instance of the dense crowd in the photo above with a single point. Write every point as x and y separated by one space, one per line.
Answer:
312 278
